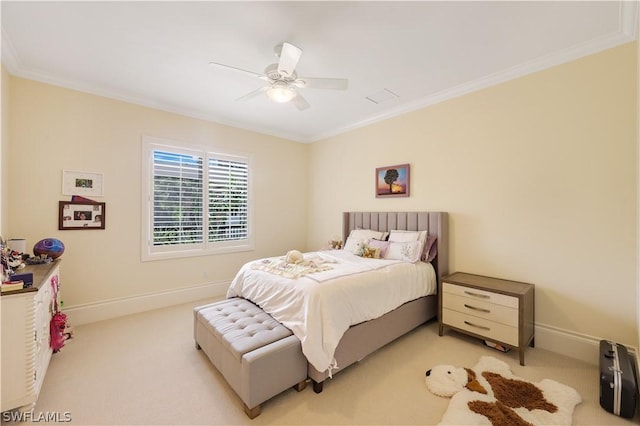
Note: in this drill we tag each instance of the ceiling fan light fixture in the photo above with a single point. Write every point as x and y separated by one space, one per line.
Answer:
283 82
281 93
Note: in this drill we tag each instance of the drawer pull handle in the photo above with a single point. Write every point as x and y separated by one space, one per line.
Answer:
482 296
486 311
477 326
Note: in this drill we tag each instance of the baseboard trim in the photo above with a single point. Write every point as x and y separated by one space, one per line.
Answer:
100 311
575 345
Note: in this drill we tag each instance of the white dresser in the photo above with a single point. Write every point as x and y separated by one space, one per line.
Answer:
497 310
26 316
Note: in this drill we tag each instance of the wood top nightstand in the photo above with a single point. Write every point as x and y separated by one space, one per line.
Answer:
494 309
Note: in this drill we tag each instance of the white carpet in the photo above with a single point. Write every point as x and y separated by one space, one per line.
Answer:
144 369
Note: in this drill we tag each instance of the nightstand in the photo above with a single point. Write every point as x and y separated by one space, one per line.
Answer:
498 310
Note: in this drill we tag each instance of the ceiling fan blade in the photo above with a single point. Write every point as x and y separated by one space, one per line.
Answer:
253 94
255 74
300 102
322 83
289 57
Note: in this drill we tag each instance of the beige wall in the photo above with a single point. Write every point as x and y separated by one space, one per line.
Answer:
638 181
539 177
54 129
4 148
538 174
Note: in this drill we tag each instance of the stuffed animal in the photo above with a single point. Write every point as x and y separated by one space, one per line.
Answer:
14 260
359 249
490 391
370 252
335 244
293 256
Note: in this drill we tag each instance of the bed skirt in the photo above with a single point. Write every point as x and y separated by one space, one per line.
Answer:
362 339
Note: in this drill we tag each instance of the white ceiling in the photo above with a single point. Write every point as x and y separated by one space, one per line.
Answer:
157 53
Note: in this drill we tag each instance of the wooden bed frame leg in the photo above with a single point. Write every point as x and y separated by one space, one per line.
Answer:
317 386
198 347
252 413
300 386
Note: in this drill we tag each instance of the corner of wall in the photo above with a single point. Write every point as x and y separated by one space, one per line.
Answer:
5 87
638 183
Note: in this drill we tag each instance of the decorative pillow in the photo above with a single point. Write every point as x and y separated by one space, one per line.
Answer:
360 236
382 246
409 251
403 236
430 249
383 235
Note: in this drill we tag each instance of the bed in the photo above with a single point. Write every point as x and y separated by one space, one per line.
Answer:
336 324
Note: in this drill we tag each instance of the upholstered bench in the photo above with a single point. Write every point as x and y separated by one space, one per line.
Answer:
257 355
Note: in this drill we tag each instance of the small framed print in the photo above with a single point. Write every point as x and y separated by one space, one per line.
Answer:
392 181
82 183
81 215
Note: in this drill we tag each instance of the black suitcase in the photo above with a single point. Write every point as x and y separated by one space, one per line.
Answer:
618 385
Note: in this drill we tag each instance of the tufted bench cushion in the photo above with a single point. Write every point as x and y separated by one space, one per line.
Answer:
257 355
241 326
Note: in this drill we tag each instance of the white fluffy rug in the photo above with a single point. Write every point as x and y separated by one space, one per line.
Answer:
489 394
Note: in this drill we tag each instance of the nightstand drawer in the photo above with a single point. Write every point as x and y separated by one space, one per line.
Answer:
490 329
481 309
486 296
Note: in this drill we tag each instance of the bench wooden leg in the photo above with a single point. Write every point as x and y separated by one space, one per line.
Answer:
317 386
252 413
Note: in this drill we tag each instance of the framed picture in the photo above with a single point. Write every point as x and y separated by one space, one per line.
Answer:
392 181
81 215
82 183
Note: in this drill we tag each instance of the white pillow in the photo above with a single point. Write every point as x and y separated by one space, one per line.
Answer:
409 251
360 236
402 236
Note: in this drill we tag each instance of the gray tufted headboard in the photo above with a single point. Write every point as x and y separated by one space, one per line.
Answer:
435 223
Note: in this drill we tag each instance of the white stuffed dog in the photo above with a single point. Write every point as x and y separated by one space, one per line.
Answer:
359 248
489 393
447 380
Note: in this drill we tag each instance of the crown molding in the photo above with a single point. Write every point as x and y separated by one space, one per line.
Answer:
627 32
558 58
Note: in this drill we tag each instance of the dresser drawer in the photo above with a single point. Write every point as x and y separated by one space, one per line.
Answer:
490 329
481 309
486 296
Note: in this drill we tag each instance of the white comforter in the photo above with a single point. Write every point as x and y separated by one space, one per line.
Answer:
319 307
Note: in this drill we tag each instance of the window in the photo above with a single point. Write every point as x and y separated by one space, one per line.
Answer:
195 202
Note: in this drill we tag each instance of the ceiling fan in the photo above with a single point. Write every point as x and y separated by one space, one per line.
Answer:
283 81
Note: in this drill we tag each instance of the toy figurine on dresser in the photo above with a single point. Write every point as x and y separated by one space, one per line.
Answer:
13 261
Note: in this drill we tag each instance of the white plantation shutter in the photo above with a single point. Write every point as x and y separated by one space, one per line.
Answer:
196 202
177 198
228 199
